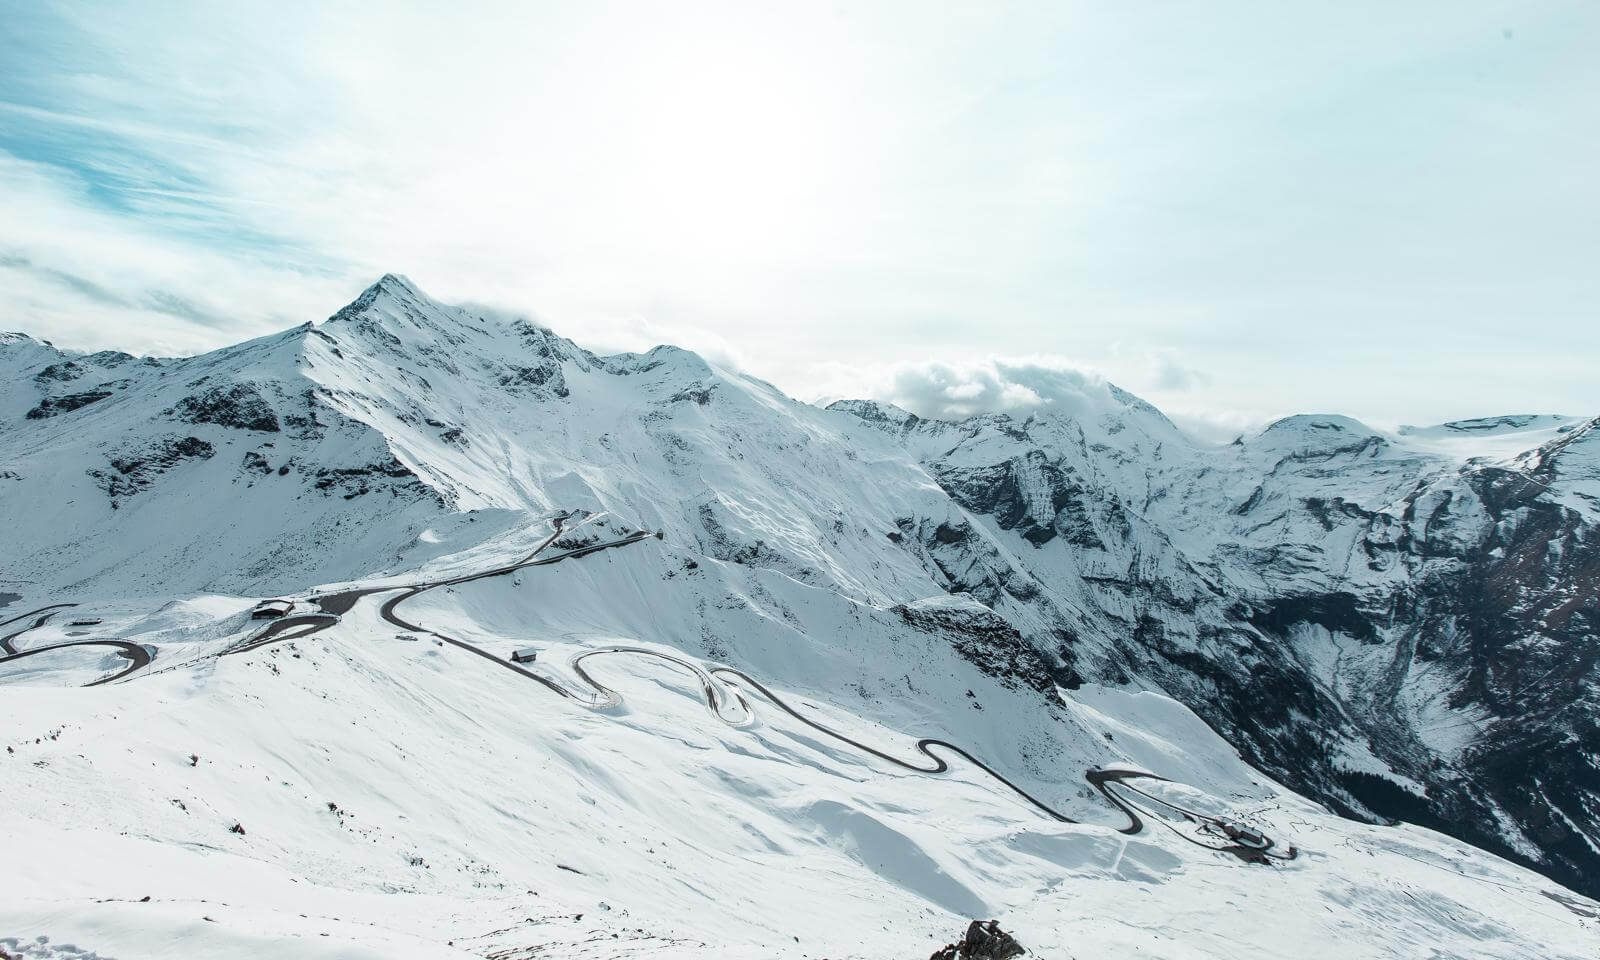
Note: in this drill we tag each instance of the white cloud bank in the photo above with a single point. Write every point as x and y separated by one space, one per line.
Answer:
1018 386
997 385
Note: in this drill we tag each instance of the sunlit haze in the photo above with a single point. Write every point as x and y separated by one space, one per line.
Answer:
1236 211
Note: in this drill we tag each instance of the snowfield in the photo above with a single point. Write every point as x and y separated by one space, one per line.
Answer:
400 798
339 785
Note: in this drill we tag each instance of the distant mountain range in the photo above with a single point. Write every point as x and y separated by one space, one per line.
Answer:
1400 625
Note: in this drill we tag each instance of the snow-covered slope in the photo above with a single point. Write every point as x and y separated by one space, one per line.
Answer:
1037 591
1402 628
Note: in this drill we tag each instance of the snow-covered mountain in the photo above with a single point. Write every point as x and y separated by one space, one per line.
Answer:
1397 626
1400 626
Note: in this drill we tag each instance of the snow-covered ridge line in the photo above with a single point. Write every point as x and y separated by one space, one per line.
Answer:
1390 623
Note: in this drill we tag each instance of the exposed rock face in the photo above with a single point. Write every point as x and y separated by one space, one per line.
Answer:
885 415
387 476
984 940
239 406
61 372
982 637
52 406
135 468
1394 632
694 393
546 376
1038 498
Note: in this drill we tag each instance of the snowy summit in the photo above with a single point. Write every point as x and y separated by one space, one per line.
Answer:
423 632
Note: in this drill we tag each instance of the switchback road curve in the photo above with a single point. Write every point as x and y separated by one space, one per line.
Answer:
720 689
138 656
6 647
1249 845
1246 844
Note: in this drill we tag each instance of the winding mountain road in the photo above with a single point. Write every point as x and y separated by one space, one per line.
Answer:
1249 845
138 655
6 645
1246 844
284 629
720 687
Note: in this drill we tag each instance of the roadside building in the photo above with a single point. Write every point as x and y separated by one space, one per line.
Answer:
271 609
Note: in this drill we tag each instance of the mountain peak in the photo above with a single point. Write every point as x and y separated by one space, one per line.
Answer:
1315 423
675 360
1077 566
13 338
877 411
398 284
392 285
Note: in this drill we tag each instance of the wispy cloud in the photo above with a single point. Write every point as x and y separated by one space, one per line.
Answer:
1173 377
81 286
1255 215
88 277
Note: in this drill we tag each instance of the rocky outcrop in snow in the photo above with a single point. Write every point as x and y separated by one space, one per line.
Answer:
237 405
984 940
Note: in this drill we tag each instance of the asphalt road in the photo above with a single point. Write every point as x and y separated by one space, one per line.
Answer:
343 602
281 630
937 764
387 611
1249 845
336 605
24 616
138 655
715 694
1242 842
725 701
6 645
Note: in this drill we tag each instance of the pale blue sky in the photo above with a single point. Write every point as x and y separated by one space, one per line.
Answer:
1237 210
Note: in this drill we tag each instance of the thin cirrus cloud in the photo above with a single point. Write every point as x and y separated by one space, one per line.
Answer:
1237 212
